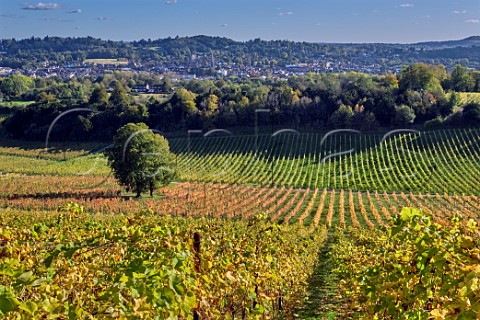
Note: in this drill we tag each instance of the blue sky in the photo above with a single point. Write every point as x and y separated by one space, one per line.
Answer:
403 21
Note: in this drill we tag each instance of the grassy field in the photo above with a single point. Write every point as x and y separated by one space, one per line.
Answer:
144 97
107 61
467 97
14 104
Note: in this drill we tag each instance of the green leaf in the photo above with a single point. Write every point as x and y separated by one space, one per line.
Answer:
49 260
7 301
7 304
466 315
70 252
39 281
175 283
47 306
25 277
135 294
74 312
168 296
29 307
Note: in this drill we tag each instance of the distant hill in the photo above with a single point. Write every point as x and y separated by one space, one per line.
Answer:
197 52
467 42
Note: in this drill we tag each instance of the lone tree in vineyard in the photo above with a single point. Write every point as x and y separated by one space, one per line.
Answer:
140 158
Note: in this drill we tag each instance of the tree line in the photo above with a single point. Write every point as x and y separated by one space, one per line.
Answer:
423 96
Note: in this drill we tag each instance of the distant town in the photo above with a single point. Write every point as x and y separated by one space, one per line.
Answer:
183 72
209 57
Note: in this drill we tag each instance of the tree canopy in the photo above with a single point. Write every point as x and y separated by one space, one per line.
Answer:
140 158
312 101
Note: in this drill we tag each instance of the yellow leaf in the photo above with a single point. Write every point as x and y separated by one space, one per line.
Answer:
438 314
230 277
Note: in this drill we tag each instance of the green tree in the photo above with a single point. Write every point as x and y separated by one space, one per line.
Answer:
44 97
141 159
420 76
99 96
461 80
404 115
476 80
436 123
16 85
364 120
183 105
167 85
119 98
471 114
449 106
134 113
81 128
342 118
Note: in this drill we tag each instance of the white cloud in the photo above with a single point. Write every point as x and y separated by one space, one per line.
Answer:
171 2
460 11
103 18
406 5
473 21
75 11
42 6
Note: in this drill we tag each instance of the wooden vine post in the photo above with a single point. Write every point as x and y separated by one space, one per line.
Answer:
197 240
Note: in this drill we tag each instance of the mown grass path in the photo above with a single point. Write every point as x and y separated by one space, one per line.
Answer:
324 301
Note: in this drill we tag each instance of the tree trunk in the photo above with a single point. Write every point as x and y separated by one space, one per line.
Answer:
139 191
